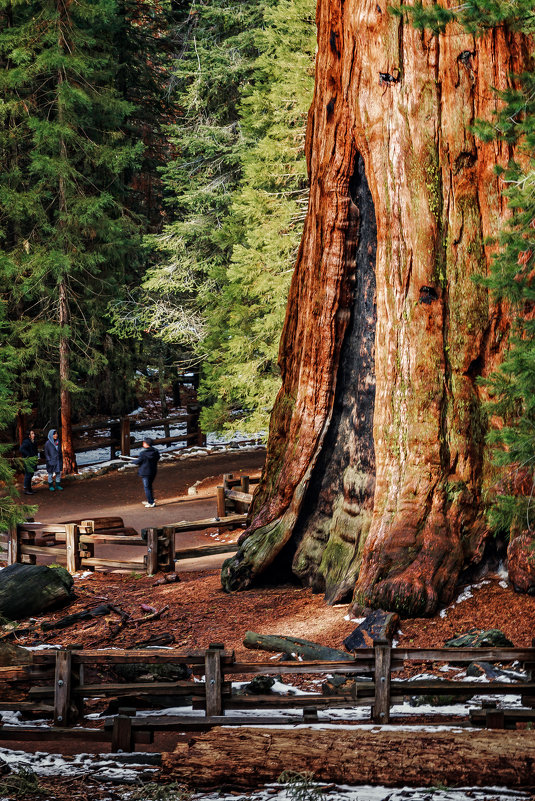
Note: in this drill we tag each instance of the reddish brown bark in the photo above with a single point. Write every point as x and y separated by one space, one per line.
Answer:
251 756
405 502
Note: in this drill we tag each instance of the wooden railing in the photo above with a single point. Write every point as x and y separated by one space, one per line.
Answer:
59 688
73 545
231 500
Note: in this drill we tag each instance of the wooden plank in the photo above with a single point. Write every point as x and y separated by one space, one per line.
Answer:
381 707
437 687
40 733
125 436
71 545
44 528
121 738
191 723
209 522
43 550
183 688
26 706
221 510
152 551
62 687
166 554
97 561
206 550
13 545
112 539
142 656
478 716
290 702
453 655
99 523
241 497
157 423
213 682
360 667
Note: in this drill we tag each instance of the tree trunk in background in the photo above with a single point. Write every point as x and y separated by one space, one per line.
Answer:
67 448
376 455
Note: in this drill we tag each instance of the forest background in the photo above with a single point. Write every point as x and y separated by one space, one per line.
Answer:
152 196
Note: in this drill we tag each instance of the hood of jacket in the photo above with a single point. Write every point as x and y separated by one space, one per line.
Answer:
51 437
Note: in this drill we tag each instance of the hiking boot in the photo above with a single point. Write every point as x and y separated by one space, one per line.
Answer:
29 492
51 487
59 487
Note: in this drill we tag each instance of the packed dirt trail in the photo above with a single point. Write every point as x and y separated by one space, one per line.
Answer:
120 494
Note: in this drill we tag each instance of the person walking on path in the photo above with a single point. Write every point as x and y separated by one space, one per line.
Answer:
30 456
147 461
54 460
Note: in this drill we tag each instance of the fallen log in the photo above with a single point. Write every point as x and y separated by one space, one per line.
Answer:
400 757
294 646
77 617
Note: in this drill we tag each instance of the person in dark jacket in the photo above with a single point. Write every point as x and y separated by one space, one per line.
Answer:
147 462
30 456
54 460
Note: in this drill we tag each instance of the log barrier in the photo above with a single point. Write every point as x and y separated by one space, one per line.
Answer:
53 683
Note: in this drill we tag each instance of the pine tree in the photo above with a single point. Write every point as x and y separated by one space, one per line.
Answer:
65 234
264 227
237 191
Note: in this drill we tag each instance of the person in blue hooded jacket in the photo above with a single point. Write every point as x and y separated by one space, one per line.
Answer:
147 461
54 460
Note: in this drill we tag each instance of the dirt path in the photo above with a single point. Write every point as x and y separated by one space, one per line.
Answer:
121 494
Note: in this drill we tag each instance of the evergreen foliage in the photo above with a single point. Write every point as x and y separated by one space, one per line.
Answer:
65 234
238 195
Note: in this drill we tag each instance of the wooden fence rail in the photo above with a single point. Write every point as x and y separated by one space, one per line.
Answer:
59 687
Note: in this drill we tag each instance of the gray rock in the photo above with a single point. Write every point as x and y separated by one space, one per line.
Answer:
29 590
480 638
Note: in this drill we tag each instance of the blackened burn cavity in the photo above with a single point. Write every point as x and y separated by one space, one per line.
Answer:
333 43
428 294
330 106
349 440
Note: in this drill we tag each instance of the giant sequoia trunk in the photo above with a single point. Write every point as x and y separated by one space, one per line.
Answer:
376 452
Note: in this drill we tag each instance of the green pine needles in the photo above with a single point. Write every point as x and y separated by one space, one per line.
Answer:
238 194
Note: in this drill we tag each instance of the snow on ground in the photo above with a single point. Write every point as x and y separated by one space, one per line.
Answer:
101 767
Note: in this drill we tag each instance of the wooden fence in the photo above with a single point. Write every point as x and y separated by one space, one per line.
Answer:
120 432
53 684
73 545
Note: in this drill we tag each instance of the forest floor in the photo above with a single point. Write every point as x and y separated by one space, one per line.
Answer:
199 612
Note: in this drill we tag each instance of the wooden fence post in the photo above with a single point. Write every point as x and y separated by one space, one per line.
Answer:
13 545
383 660
125 436
72 545
168 550
213 682
152 551
220 501
244 484
121 737
62 688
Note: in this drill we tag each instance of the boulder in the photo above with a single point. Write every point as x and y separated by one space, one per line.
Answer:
260 685
29 590
377 625
478 638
